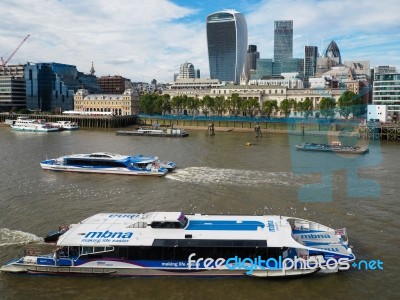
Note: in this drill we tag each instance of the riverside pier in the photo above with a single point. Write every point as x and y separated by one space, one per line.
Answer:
82 121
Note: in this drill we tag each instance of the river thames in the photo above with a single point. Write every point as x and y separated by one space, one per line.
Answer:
215 175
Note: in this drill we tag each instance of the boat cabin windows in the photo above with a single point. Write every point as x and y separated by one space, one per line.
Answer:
166 225
182 253
100 155
95 252
141 165
94 163
138 225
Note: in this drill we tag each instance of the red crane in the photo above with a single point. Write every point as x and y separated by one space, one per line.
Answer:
3 63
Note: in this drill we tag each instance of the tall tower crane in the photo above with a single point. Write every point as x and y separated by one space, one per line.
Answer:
4 63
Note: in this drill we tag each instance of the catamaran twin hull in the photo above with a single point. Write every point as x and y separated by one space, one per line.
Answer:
115 171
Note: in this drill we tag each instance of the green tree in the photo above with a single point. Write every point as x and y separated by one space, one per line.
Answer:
208 104
235 104
192 104
270 106
166 103
285 107
177 103
327 107
146 103
294 104
220 105
350 103
305 107
251 106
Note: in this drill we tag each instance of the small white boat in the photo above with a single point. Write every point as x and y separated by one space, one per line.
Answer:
66 125
26 124
175 244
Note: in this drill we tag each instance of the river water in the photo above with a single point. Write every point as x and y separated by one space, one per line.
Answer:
215 175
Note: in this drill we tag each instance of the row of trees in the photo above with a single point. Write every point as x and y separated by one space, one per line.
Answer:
349 103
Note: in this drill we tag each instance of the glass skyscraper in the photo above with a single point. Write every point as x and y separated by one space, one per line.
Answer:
310 62
283 40
227 45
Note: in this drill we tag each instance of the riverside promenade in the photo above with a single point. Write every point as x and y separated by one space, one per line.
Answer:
290 126
259 127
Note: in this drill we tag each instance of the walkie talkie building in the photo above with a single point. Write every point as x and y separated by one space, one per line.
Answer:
227 44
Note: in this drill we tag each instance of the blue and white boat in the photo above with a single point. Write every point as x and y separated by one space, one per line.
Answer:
108 163
174 244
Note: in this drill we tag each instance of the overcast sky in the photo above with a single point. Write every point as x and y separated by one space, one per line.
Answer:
142 40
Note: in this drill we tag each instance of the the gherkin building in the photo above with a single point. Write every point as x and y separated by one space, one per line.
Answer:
332 51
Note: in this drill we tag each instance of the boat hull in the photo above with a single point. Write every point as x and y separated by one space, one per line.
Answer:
348 150
155 134
126 270
34 129
115 171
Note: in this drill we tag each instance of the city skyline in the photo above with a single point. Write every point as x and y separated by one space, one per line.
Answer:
153 40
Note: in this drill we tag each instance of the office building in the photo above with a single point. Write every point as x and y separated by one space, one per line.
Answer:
264 68
333 53
227 45
51 86
12 88
252 56
283 40
111 84
186 70
386 91
310 63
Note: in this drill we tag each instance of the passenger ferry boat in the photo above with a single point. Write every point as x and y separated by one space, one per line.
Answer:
109 163
174 244
335 147
66 125
26 124
155 131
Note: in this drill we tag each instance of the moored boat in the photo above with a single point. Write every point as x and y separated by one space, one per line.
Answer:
26 124
66 125
107 163
175 244
169 132
335 147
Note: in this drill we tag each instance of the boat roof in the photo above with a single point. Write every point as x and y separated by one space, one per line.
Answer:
99 155
139 158
124 229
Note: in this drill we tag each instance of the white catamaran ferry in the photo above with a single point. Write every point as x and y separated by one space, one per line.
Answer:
174 244
109 163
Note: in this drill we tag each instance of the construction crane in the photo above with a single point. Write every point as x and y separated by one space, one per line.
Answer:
4 63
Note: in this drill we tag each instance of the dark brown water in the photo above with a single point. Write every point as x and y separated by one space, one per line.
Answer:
216 175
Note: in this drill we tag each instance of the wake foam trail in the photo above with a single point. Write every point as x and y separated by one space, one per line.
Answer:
206 175
16 237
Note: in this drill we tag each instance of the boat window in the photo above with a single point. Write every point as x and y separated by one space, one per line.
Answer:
166 225
184 222
91 250
100 163
138 225
100 155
